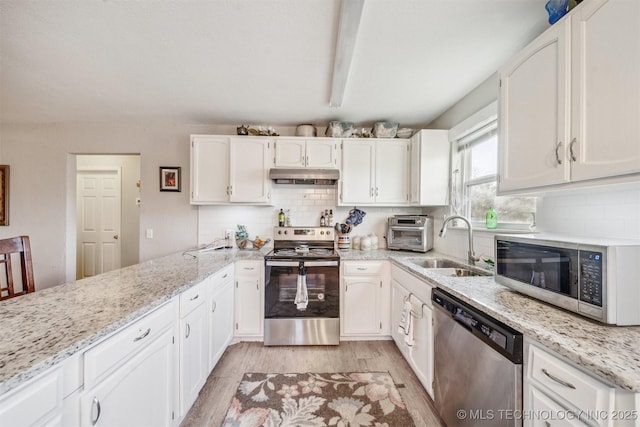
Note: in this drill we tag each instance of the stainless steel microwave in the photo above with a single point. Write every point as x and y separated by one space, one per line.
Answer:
410 233
596 278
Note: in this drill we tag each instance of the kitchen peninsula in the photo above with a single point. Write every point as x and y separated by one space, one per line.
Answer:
68 320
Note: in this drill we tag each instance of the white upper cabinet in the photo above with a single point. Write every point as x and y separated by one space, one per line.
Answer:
306 153
534 113
230 170
375 172
605 89
570 101
429 158
209 169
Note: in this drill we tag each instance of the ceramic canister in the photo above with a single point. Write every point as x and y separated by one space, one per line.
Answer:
343 241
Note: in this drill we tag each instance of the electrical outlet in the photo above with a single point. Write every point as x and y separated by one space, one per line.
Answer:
149 233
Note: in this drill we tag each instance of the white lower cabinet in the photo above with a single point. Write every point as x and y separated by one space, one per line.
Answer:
130 377
418 351
220 306
365 299
18 408
194 344
570 396
249 299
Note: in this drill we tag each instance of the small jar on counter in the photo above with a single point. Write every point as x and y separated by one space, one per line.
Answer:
355 243
374 241
365 243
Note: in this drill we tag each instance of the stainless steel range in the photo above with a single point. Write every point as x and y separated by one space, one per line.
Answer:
302 288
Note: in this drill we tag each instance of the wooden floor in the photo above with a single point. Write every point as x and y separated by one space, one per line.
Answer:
349 356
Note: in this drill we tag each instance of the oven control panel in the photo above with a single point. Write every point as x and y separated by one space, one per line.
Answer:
303 233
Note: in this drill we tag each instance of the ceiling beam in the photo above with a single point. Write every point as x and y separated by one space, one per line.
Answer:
350 14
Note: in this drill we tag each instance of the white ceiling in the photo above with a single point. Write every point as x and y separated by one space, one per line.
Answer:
249 61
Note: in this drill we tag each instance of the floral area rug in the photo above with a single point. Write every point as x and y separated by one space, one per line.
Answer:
334 399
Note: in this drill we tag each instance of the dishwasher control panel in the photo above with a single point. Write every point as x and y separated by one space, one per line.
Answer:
500 336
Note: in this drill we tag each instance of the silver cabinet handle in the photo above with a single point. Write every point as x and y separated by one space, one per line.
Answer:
138 338
248 268
362 268
225 276
195 298
573 156
231 190
188 331
376 191
115 237
213 309
257 285
227 190
371 192
95 408
558 160
558 380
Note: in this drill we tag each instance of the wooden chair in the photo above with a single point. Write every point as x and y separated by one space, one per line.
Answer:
18 246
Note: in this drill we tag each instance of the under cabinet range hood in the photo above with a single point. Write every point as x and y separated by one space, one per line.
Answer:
305 176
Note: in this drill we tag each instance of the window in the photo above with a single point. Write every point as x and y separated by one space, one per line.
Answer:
474 175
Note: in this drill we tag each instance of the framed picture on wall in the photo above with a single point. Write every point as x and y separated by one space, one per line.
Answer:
170 179
4 194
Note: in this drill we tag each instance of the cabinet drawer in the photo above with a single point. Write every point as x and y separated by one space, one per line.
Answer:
35 403
115 350
193 297
364 268
418 287
569 383
223 276
548 412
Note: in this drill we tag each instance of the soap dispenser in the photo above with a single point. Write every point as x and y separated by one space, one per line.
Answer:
491 219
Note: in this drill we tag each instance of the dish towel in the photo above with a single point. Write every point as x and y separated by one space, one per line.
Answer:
302 297
405 327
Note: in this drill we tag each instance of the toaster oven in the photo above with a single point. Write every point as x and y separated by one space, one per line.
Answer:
410 233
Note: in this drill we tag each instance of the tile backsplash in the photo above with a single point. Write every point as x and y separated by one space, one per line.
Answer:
602 212
305 203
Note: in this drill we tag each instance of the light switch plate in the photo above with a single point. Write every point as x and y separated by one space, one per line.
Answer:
149 233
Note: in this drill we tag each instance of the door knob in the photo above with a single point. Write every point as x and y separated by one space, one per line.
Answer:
115 237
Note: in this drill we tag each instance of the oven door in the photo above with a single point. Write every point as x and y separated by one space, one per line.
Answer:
321 282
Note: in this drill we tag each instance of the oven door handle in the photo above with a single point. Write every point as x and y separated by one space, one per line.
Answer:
272 263
321 263
405 228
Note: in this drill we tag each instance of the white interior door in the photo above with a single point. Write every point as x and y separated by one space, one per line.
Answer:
98 248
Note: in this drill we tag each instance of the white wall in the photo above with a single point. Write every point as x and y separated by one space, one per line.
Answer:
42 193
305 203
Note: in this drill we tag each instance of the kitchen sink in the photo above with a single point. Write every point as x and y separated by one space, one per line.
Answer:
448 268
435 263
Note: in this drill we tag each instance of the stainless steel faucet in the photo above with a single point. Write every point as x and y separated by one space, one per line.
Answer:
443 231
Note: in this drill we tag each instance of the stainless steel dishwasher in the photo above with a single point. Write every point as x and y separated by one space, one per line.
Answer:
477 364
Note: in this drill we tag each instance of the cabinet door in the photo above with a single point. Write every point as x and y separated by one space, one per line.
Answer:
321 153
414 170
140 393
290 153
249 317
194 357
17 408
361 314
392 172
249 170
220 317
421 354
358 179
209 169
534 113
398 297
605 111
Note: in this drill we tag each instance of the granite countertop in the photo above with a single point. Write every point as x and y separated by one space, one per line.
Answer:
65 319
610 352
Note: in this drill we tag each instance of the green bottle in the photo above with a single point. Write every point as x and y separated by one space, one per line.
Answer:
281 218
491 219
